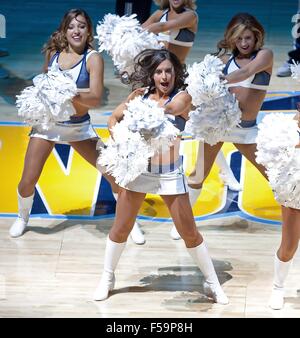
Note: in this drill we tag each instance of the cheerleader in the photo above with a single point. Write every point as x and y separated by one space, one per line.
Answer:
176 23
289 244
279 150
70 48
248 71
163 74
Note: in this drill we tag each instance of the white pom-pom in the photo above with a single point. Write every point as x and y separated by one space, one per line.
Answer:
105 29
124 38
56 90
285 182
30 106
165 138
144 130
212 121
148 118
143 114
49 100
295 69
126 156
276 141
217 110
128 42
204 80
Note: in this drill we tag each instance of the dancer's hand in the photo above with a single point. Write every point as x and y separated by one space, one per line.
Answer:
136 92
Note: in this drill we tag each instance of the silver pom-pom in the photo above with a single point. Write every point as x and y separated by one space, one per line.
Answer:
106 27
144 131
125 156
149 119
30 107
276 141
204 80
144 116
124 38
286 183
217 110
212 121
56 90
49 100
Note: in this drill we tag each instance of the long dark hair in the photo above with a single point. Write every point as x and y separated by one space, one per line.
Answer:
146 63
58 41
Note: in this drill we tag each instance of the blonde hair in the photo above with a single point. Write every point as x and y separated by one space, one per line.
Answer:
58 41
164 4
237 25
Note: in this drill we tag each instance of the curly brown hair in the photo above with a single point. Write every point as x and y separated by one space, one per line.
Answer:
237 25
58 41
146 63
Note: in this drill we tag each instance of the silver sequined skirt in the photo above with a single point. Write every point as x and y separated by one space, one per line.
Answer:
62 132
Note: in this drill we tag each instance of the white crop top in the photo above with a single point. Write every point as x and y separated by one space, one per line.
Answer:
79 71
180 37
259 80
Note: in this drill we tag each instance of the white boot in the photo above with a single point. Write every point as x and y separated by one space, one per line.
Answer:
284 70
174 233
198 174
281 270
212 287
193 196
112 255
226 173
136 233
24 205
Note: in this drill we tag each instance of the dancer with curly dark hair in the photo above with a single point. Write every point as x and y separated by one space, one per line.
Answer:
176 24
159 76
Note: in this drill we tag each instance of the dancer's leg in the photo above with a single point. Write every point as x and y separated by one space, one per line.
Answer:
136 233
38 151
182 215
226 173
87 149
249 150
128 205
284 256
205 158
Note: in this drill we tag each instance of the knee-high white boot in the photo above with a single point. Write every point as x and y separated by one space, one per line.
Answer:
193 196
226 173
281 270
212 287
112 255
24 205
136 233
